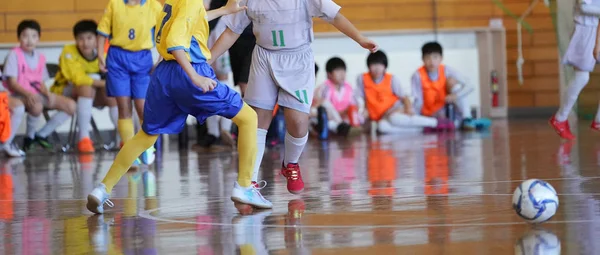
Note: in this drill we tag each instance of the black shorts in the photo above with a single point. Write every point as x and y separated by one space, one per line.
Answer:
240 55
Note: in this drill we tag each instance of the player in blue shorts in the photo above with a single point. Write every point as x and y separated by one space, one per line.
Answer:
184 83
130 26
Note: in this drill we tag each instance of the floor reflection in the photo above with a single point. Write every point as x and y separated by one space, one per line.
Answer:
423 194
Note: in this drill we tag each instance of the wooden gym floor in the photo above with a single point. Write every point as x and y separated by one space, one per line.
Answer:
405 194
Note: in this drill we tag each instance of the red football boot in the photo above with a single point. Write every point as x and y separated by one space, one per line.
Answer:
291 172
562 128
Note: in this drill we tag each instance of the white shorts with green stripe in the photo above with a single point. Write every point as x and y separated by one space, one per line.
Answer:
284 77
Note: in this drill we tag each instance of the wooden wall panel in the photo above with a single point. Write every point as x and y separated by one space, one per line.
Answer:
540 50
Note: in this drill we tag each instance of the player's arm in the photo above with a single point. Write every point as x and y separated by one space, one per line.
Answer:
104 32
330 12
232 6
224 42
236 23
597 47
204 83
11 72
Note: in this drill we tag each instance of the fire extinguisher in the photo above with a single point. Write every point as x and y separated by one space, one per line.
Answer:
494 89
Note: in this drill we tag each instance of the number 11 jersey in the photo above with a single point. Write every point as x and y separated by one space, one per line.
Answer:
281 25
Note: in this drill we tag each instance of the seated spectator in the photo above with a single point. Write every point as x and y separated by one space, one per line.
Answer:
25 72
79 78
387 103
11 113
437 87
337 97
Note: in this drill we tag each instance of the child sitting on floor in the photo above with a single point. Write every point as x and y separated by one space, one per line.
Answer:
386 102
437 87
337 97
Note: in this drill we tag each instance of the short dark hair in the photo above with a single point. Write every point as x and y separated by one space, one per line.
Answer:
431 48
334 63
377 57
316 69
85 26
29 23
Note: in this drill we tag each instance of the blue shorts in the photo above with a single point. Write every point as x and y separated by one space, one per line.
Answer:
128 72
172 97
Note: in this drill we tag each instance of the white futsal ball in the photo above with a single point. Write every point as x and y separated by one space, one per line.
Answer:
538 242
535 201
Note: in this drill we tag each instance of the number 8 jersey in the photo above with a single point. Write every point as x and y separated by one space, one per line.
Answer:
280 25
130 27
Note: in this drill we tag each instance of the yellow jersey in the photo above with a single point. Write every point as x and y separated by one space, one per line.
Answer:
182 25
74 69
130 27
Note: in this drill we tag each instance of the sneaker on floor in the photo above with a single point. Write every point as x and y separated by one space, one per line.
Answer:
291 172
468 124
28 144
13 151
97 198
562 128
595 125
250 196
482 123
86 145
148 156
43 141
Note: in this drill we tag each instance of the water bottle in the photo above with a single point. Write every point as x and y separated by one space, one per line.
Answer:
322 126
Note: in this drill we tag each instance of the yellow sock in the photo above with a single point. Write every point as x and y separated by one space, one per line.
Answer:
247 249
247 123
125 127
130 151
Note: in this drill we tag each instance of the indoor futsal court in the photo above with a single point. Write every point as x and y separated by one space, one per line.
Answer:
512 78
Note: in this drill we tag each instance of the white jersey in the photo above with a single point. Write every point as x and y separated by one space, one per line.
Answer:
281 25
582 18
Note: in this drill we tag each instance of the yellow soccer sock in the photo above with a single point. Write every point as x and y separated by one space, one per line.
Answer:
125 127
130 151
247 123
247 249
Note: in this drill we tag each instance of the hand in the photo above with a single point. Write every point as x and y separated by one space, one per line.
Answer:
596 52
102 64
204 83
409 111
368 44
233 6
451 98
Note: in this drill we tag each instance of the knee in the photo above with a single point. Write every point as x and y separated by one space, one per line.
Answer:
35 110
246 117
71 107
146 140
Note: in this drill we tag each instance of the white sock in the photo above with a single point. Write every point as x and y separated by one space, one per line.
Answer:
575 86
403 120
293 148
114 115
84 116
58 119
261 140
225 124
16 117
32 123
212 125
